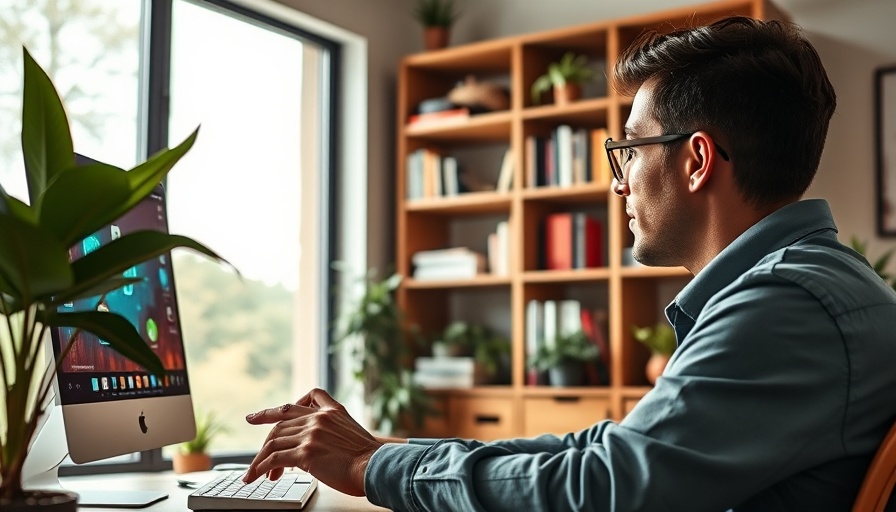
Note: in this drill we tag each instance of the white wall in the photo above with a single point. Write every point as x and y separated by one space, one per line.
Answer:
853 37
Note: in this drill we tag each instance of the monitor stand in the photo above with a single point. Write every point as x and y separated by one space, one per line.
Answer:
49 449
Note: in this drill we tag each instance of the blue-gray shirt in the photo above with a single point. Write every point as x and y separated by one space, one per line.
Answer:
780 391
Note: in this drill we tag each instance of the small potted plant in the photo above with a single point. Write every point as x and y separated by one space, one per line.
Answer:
437 17
661 341
372 329
193 455
565 359
37 278
564 78
489 350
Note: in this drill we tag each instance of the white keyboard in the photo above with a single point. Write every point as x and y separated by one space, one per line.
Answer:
228 492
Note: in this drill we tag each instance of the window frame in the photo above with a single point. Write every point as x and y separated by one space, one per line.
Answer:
153 118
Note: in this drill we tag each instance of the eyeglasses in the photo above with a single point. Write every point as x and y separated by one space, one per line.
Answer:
620 154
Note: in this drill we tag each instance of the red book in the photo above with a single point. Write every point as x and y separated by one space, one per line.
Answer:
588 247
558 236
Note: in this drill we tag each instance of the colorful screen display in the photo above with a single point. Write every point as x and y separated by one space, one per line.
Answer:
92 370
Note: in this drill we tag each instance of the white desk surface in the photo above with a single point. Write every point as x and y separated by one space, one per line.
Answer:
325 499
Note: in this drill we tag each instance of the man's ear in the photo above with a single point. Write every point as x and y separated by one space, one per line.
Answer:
701 157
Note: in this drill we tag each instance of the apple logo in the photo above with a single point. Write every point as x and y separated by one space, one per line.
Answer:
142 421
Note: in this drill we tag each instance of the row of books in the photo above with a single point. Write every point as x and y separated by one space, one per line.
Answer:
547 320
452 263
568 157
448 372
572 240
431 174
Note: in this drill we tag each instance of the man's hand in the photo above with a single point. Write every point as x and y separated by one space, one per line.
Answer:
317 435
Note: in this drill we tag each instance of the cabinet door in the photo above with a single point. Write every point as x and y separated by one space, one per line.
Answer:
482 418
560 415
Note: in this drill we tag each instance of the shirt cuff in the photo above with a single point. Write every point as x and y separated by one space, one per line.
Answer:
389 475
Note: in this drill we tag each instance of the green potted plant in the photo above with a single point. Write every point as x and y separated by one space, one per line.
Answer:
564 78
489 350
565 359
193 455
661 341
36 276
373 328
437 17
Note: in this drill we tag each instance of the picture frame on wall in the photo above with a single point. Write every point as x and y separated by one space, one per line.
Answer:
885 149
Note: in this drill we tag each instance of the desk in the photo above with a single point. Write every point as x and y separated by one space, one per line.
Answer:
325 499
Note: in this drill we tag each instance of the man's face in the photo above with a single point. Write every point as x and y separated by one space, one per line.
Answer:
656 198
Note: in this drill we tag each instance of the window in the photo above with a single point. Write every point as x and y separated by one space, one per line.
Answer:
258 186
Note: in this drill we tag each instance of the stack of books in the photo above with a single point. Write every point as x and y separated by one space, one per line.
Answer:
454 263
447 372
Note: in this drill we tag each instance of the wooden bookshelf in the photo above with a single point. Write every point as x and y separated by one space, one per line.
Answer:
631 295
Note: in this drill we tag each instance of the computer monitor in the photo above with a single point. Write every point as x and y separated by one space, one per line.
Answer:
109 405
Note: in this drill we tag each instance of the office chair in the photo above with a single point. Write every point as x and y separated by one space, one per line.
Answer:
880 478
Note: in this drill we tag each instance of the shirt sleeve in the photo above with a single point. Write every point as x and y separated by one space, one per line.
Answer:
718 427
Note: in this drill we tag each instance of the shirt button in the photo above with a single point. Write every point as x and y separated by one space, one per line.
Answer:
423 469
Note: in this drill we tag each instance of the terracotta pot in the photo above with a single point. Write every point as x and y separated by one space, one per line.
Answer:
567 94
42 501
435 38
190 462
655 366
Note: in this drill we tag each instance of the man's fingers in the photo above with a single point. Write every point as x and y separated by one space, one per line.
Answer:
273 457
277 414
317 398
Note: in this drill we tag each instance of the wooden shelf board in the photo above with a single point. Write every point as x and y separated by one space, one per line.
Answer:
588 192
556 391
647 272
635 391
470 203
584 111
485 56
483 280
561 276
492 391
490 127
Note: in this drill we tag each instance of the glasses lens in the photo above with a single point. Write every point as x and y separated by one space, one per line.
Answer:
619 159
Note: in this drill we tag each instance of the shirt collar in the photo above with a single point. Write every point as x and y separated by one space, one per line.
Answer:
780 229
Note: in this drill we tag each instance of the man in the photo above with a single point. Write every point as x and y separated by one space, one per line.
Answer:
781 388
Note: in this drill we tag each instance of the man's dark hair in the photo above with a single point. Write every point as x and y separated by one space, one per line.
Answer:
758 87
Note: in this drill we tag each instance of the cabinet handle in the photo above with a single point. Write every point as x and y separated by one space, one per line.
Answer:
567 399
482 418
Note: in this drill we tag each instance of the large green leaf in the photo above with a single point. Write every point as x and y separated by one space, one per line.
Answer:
125 252
46 139
33 263
104 287
100 189
114 329
144 178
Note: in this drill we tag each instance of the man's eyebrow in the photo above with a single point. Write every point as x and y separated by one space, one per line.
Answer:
630 132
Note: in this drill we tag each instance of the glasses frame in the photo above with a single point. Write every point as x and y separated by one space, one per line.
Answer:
610 145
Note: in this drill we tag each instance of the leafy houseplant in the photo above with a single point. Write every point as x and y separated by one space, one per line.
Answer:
193 454
565 77
661 341
377 322
489 350
565 358
437 17
36 276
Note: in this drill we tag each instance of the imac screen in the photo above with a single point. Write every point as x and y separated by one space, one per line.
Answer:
94 372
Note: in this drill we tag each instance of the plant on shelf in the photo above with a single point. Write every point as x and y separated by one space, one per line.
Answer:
373 328
437 17
193 455
565 78
661 341
880 264
36 277
565 359
489 350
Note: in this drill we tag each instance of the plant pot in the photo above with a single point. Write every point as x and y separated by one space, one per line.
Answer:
42 501
435 38
563 95
567 374
655 366
190 462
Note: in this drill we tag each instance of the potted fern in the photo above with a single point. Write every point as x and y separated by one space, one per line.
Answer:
437 17
564 78
36 276
193 455
565 359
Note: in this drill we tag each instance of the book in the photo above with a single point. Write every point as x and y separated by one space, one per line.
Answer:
505 176
587 242
600 166
442 117
534 337
558 239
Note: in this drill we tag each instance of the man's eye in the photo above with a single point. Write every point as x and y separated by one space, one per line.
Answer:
628 154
